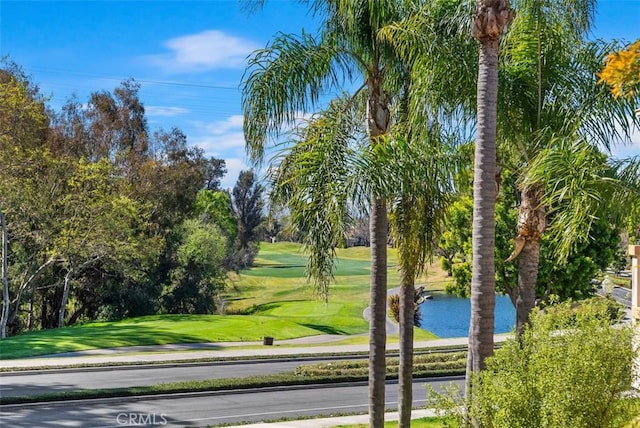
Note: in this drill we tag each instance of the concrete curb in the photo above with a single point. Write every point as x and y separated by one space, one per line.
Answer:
332 422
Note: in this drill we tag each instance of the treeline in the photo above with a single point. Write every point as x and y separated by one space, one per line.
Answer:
106 219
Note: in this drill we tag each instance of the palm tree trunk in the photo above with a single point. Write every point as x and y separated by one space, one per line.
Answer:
531 225
481 326
527 277
405 373
378 119
489 21
484 197
378 305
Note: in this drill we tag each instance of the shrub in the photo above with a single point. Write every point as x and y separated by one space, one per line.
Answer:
394 310
571 368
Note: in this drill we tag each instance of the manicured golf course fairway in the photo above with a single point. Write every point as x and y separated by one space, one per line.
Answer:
271 299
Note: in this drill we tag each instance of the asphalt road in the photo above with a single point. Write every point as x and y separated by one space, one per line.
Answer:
48 381
206 409
622 295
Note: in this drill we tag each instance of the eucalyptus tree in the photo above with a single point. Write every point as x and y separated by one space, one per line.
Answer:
23 129
549 98
290 76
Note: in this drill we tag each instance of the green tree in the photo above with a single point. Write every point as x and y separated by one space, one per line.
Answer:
215 169
98 224
415 176
216 208
23 120
199 275
23 130
550 100
247 205
570 368
289 76
455 245
568 279
150 179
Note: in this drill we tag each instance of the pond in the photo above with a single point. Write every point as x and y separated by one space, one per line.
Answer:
449 316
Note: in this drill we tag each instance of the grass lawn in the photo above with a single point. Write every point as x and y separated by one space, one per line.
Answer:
428 422
271 299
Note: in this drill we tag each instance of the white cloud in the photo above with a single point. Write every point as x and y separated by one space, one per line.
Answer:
165 111
629 148
221 137
224 139
220 144
220 127
234 166
207 50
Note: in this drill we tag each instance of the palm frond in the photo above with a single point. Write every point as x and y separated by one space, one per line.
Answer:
317 180
581 187
417 177
429 39
282 81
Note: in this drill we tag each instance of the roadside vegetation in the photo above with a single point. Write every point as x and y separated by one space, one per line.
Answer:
428 422
569 368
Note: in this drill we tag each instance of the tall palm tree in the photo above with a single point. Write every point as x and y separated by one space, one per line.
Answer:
418 177
489 22
289 77
328 172
550 96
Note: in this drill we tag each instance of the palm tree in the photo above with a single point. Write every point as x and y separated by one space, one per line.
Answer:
604 188
289 77
488 24
550 96
421 175
326 175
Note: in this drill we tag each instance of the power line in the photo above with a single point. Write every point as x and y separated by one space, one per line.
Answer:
206 85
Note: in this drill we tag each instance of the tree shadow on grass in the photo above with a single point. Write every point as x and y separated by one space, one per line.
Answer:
78 338
264 307
325 329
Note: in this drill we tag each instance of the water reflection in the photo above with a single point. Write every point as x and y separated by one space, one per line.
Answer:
448 316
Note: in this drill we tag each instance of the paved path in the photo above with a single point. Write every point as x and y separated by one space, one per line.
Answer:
158 353
332 422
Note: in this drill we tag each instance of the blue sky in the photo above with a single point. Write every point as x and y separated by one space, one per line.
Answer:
189 56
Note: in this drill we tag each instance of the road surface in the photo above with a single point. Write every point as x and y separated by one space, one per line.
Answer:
207 409
49 381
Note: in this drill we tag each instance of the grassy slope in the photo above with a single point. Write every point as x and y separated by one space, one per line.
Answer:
274 293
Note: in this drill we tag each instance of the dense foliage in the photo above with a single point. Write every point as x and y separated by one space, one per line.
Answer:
570 368
566 279
107 219
622 71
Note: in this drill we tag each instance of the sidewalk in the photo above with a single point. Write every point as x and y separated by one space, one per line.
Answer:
332 422
312 345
